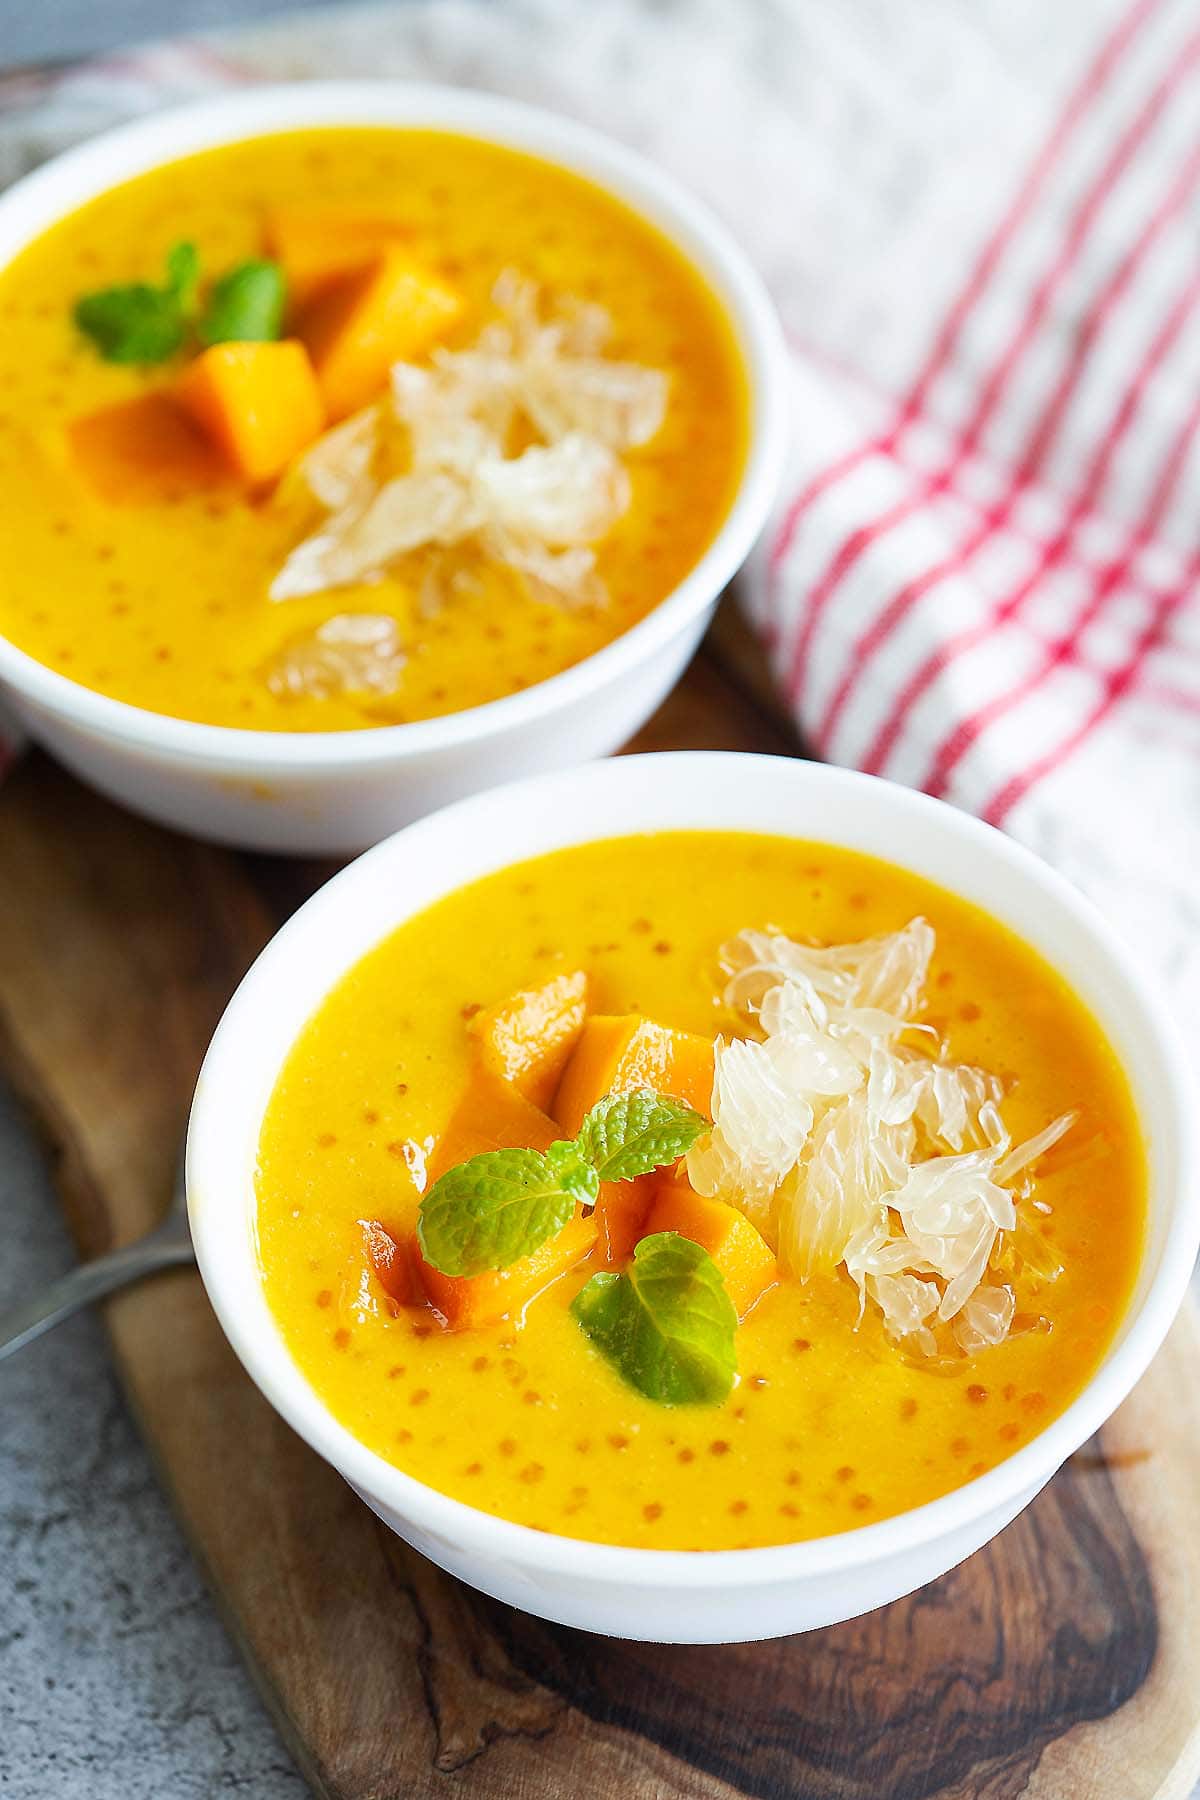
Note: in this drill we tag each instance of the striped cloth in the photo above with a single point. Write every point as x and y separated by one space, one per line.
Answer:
980 220
991 593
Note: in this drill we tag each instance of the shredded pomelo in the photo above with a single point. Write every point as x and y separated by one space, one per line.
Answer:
512 447
849 1139
350 653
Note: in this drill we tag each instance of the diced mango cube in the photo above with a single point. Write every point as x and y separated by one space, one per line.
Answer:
259 403
356 329
396 1260
616 1053
741 1253
491 1115
143 450
527 1038
621 1210
465 1301
318 246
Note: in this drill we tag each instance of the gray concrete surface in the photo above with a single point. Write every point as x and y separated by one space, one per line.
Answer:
65 28
117 1682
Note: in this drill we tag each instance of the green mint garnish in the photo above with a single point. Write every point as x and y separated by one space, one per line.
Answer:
575 1176
246 306
139 323
666 1324
492 1210
183 276
626 1135
501 1205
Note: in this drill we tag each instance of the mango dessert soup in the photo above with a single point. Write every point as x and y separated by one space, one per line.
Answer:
699 1190
346 427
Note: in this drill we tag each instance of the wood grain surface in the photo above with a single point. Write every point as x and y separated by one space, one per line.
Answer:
1060 1663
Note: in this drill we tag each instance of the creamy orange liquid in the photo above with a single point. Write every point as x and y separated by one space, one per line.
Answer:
164 605
829 1426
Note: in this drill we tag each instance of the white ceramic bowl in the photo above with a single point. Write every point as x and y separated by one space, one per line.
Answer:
338 791
683 1596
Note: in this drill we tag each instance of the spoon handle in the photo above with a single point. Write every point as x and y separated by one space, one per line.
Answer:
162 1249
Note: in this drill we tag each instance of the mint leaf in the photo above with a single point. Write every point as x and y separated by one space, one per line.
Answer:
578 1178
488 1212
626 1135
183 276
136 322
503 1204
246 306
666 1325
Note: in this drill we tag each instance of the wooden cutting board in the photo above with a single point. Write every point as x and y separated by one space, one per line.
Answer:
1060 1663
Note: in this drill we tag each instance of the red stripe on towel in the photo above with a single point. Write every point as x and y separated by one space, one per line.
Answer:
1122 679
939 660
885 624
1044 432
945 343
1057 552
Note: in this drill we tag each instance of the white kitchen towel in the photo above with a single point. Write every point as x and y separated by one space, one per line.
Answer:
981 222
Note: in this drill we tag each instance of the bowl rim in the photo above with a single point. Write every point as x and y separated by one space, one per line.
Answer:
1006 1486
34 204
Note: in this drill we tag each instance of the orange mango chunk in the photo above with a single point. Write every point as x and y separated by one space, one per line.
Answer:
318 246
259 404
356 329
621 1210
616 1053
527 1038
466 1301
144 450
492 1115
395 1259
743 1256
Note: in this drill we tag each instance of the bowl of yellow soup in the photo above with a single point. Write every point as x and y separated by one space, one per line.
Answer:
695 1197
364 444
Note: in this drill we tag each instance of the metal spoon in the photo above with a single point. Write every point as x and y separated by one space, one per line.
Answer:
167 1246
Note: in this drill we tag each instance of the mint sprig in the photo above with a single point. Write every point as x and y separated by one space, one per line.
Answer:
626 1135
576 1177
245 306
666 1324
139 322
488 1212
136 322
